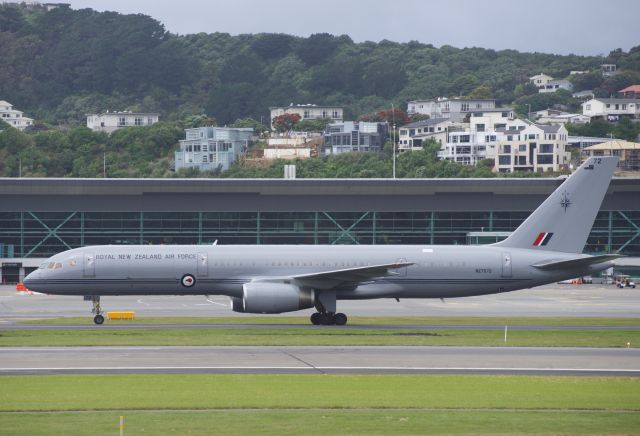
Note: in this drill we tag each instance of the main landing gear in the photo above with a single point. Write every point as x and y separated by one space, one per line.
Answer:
99 318
326 314
328 318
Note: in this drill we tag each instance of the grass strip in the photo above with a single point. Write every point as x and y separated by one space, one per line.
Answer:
319 336
322 422
155 392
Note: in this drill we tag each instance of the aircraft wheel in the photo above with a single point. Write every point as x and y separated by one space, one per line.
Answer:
340 319
98 319
326 319
316 318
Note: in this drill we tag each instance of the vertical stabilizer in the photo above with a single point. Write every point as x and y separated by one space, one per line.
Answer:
564 220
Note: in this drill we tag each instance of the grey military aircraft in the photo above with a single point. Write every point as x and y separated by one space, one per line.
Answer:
545 248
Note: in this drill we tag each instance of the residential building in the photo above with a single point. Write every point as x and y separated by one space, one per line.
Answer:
555 85
413 135
535 148
584 95
470 147
609 70
294 145
632 91
578 72
627 152
308 112
455 108
540 80
611 108
14 117
52 6
351 136
486 129
481 120
562 118
212 148
109 122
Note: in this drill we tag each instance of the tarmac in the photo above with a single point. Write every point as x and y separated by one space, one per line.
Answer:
558 300
550 300
320 360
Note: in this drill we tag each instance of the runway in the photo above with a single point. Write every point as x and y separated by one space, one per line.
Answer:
550 300
320 360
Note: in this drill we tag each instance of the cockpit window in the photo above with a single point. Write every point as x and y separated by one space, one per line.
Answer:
73 262
43 265
57 265
51 265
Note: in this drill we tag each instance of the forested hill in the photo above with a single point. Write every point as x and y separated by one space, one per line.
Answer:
59 65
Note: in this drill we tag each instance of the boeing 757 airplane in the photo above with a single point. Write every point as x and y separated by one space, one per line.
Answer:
545 248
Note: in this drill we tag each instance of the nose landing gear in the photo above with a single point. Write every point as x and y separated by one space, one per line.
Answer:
98 318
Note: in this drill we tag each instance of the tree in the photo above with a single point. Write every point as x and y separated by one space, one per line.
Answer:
285 122
481 92
315 125
395 115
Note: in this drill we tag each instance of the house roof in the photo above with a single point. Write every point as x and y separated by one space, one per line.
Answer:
632 88
546 128
423 123
616 144
5 103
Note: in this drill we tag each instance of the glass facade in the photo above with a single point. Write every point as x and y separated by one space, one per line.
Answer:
42 234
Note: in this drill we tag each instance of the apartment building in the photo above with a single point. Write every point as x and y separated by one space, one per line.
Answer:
212 148
535 148
308 112
455 109
355 136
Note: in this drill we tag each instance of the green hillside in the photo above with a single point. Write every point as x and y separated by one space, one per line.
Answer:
59 65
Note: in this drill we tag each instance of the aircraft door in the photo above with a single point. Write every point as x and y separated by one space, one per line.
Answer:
89 265
203 265
506 264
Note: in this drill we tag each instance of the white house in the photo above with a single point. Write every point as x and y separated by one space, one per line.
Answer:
14 117
308 112
611 108
482 120
470 147
564 118
539 80
111 121
486 129
455 108
412 135
535 148
555 85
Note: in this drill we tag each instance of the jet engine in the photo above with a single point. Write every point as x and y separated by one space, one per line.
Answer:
272 298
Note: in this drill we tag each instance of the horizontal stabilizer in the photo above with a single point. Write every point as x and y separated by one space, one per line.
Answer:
580 262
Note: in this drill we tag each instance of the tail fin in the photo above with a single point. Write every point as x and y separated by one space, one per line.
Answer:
564 220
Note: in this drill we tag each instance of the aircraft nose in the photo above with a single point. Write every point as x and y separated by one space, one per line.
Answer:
28 280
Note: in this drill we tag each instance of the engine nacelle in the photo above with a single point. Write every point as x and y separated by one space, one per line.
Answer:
272 298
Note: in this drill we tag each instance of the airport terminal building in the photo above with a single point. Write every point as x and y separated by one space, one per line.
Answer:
41 217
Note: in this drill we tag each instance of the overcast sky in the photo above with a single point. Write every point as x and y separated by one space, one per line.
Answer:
588 27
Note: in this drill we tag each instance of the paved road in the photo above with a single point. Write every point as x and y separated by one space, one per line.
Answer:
310 360
550 300
16 325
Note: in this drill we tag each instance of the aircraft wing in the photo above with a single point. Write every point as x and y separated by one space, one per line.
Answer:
576 263
347 276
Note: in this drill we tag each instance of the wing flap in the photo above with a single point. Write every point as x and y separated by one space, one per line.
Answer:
576 263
